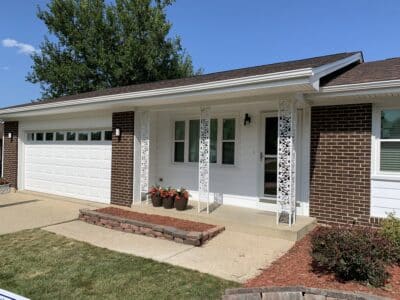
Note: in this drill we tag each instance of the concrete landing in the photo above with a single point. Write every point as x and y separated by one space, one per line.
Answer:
239 219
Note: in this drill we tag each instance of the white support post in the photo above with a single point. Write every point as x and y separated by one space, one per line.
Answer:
204 157
287 122
144 153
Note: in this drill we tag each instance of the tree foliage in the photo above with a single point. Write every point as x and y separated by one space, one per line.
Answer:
95 45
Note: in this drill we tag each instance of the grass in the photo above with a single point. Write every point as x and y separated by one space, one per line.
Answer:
42 265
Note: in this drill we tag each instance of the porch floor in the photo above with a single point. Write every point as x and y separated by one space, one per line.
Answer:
239 219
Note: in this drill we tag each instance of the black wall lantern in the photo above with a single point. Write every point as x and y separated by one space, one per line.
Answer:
247 119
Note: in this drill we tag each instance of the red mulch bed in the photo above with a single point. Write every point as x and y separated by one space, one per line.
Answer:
156 219
294 269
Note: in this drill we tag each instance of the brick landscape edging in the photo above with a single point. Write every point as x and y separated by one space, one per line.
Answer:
153 230
294 292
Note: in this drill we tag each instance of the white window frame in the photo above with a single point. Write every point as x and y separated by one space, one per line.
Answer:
220 119
65 131
185 142
376 172
222 141
60 132
45 136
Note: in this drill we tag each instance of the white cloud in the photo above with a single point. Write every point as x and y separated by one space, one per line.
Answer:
22 47
4 68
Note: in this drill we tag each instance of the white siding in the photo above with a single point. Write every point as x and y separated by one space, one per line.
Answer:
240 184
385 197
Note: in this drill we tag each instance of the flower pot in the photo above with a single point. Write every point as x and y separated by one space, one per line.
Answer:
181 204
168 202
4 188
156 200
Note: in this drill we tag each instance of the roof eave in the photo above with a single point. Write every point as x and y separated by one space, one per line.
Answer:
299 80
375 88
300 77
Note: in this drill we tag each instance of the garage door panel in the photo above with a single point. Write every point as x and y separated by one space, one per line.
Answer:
74 170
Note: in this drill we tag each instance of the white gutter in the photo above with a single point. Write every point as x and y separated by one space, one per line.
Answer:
308 76
362 86
301 73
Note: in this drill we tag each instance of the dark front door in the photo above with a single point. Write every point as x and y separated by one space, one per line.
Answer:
271 157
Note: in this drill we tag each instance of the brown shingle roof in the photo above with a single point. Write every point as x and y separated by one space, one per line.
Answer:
381 70
232 74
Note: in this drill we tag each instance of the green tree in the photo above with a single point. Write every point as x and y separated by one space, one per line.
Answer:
96 45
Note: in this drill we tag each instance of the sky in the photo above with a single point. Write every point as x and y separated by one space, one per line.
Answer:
225 34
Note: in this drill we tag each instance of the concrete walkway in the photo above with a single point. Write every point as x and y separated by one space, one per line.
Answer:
23 210
231 255
236 254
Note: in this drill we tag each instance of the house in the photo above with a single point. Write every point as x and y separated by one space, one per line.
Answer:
316 137
1 147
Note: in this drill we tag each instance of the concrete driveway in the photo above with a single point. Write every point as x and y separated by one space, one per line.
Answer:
23 210
236 254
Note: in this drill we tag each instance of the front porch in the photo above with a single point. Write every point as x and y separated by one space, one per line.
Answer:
251 154
238 219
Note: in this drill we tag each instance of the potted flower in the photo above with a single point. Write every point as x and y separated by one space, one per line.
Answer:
181 199
168 196
155 195
4 186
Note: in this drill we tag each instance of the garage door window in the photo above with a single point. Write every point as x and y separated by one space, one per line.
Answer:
95 136
70 136
49 136
39 136
83 136
60 136
108 135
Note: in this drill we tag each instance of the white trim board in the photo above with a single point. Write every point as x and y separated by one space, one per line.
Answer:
307 79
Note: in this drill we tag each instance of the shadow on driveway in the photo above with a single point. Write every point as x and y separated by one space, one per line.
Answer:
19 203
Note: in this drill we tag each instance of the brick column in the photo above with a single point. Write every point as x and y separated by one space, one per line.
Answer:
341 164
122 159
10 163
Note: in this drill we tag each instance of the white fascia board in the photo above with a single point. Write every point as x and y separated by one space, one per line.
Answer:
362 86
285 77
305 76
379 88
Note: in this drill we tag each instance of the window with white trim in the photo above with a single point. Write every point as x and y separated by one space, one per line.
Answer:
228 141
179 141
70 136
187 138
389 141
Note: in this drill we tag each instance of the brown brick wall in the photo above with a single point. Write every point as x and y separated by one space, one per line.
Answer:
122 159
11 153
340 164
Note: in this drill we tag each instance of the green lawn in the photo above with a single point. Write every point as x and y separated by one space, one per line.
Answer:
41 265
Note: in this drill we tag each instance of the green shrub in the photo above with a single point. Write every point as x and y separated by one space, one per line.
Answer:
352 254
391 230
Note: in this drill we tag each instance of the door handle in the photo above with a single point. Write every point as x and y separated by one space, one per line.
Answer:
261 156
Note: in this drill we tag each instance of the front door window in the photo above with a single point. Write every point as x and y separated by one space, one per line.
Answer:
271 157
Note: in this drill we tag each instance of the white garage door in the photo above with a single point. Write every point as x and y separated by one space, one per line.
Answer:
74 168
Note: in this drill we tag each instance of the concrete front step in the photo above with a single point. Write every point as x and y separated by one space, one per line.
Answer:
239 219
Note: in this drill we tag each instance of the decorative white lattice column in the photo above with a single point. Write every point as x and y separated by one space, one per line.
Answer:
204 157
286 200
144 153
